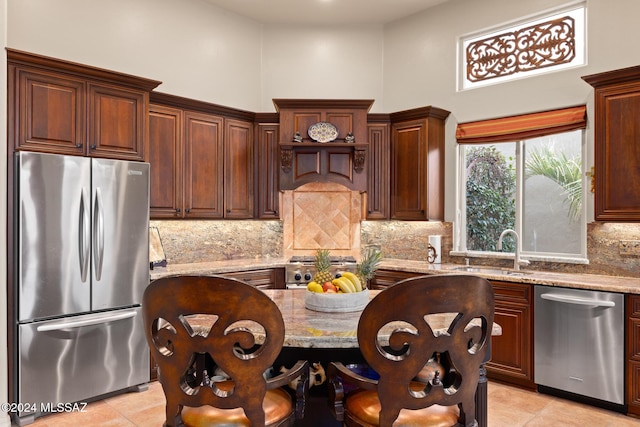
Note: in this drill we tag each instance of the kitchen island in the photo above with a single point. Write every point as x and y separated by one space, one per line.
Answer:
512 353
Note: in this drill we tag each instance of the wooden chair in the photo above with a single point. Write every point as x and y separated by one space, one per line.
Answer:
200 328
428 373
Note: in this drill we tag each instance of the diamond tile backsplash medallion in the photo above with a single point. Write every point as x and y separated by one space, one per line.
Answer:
321 216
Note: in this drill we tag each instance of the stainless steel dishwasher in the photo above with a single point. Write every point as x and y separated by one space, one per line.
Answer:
579 342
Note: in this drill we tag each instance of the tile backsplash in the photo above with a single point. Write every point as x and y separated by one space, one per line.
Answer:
188 241
321 216
208 240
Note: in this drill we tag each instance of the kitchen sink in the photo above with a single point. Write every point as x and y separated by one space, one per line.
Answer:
491 271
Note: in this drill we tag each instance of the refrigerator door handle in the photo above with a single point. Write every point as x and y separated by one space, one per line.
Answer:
83 234
98 234
91 320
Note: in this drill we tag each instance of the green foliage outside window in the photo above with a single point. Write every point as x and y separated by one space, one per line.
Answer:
491 186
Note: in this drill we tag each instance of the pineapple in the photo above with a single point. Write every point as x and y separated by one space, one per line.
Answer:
367 267
322 263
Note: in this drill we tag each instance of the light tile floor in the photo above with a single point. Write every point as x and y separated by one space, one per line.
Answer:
508 407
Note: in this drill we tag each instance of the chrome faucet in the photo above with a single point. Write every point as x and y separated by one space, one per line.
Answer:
517 262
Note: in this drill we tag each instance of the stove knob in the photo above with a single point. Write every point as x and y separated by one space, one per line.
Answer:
297 276
307 276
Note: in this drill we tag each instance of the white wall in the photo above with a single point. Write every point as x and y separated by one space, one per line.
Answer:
196 50
323 62
203 52
420 66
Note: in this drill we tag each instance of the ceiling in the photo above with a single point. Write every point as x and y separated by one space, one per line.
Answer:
325 12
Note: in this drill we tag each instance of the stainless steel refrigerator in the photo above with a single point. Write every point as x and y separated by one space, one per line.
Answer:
81 267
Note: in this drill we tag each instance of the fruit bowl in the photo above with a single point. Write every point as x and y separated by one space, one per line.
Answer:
336 302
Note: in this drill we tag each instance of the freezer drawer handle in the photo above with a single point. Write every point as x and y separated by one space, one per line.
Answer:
93 320
578 300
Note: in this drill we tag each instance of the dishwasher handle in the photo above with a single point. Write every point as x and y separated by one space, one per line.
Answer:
568 299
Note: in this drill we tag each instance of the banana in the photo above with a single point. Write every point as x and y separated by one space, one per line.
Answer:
344 285
348 283
354 279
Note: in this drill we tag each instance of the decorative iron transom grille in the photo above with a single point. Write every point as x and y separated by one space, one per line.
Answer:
539 46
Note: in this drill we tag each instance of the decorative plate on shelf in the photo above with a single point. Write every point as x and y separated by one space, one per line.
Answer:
323 132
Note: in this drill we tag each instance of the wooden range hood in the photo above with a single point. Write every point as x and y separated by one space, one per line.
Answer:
339 160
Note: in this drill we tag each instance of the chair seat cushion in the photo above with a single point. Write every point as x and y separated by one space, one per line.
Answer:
277 406
364 407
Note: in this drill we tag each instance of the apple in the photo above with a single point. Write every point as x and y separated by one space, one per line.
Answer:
330 291
328 286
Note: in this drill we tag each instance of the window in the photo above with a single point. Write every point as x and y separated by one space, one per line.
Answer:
549 42
524 173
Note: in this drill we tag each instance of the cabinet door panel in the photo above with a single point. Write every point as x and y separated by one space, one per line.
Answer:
632 349
307 163
343 121
621 156
238 182
512 352
117 122
408 168
204 166
50 113
165 158
302 122
268 171
378 183
339 163
616 146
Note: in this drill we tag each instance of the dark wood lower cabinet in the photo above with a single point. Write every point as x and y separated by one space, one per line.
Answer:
632 345
512 352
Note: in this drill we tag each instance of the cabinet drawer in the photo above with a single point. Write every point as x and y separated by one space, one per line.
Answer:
263 279
512 292
633 396
634 306
385 278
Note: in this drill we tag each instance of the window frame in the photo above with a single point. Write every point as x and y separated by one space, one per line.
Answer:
577 9
515 135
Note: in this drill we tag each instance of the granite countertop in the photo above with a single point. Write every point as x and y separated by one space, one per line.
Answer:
628 285
217 267
594 282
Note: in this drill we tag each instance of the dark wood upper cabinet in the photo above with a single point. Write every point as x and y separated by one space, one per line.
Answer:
417 164
617 144
62 107
238 169
267 167
117 122
202 160
378 179
166 152
210 161
203 166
